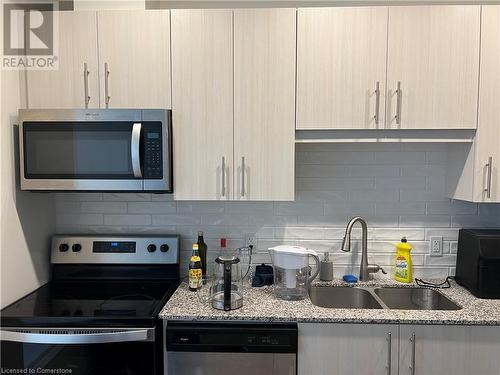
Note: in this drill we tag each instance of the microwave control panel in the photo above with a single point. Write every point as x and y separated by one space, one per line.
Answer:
153 165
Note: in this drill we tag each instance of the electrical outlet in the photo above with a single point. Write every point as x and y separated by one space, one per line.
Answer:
436 246
250 239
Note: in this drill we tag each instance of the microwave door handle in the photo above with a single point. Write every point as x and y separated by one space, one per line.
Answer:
74 338
134 149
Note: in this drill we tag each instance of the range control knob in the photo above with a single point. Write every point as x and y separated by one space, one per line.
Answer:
164 248
63 247
76 247
152 248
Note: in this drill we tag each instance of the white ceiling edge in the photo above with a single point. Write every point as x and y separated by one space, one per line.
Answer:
165 4
162 4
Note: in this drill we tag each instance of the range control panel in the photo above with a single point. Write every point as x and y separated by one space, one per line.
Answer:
115 250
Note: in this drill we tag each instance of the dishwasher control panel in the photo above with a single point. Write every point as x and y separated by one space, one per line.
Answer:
231 337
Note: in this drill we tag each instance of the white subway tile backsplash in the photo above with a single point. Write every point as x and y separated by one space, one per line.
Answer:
200 207
304 233
300 208
400 158
152 207
450 259
337 183
79 219
400 182
418 195
126 197
424 221
361 208
400 208
127 219
251 208
104 207
399 188
180 219
446 233
323 220
222 219
81 197
452 207
322 196
364 195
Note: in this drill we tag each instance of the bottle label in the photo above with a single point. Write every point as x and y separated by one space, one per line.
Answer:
401 267
195 278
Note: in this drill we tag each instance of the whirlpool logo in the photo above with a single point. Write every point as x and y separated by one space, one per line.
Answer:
30 31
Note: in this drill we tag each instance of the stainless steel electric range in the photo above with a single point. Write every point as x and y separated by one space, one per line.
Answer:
99 313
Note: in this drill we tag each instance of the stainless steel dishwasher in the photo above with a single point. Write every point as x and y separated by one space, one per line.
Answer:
228 348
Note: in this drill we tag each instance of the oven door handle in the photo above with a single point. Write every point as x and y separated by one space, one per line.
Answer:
135 142
78 338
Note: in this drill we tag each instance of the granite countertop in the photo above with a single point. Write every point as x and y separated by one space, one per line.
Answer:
261 305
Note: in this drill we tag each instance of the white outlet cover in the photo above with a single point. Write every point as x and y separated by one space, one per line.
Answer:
436 246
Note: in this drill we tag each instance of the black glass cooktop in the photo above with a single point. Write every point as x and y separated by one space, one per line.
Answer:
90 303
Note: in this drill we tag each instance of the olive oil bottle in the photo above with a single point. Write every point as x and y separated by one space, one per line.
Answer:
195 271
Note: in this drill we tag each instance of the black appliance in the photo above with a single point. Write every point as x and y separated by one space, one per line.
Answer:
230 348
478 262
99 313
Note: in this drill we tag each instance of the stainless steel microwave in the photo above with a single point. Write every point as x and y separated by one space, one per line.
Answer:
95 149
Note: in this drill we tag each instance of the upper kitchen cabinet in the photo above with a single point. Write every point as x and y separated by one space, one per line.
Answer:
202 101
473 172
134 59
433 67
341 68
487 142
264 104
75 82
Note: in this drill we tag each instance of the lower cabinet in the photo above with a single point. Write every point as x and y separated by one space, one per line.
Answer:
449 350
347 349
369 349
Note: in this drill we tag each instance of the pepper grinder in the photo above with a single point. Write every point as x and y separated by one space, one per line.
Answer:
326 268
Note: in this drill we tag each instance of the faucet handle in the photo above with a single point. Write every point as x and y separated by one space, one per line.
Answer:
374 268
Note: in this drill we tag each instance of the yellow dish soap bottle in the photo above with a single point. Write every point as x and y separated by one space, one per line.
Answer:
402 264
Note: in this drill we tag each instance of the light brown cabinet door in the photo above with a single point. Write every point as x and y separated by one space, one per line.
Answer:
202 102
487 142
453 350
348 349
264 104
134 59
433 53
341 60
65 87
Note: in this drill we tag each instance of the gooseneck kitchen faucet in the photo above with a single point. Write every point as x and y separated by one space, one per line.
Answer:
364 269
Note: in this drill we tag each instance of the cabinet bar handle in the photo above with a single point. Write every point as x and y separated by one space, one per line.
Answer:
398 104
223 190
242 176
412 361
377 102
106 84
489 165
389 353
86 84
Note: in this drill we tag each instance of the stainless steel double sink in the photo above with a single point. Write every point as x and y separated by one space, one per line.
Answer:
407 298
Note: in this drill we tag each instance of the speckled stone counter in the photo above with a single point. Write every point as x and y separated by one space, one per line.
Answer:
261 305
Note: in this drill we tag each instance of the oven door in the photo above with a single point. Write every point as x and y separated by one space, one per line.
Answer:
79 351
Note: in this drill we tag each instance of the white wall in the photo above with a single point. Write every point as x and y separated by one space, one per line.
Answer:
399 188
27 219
